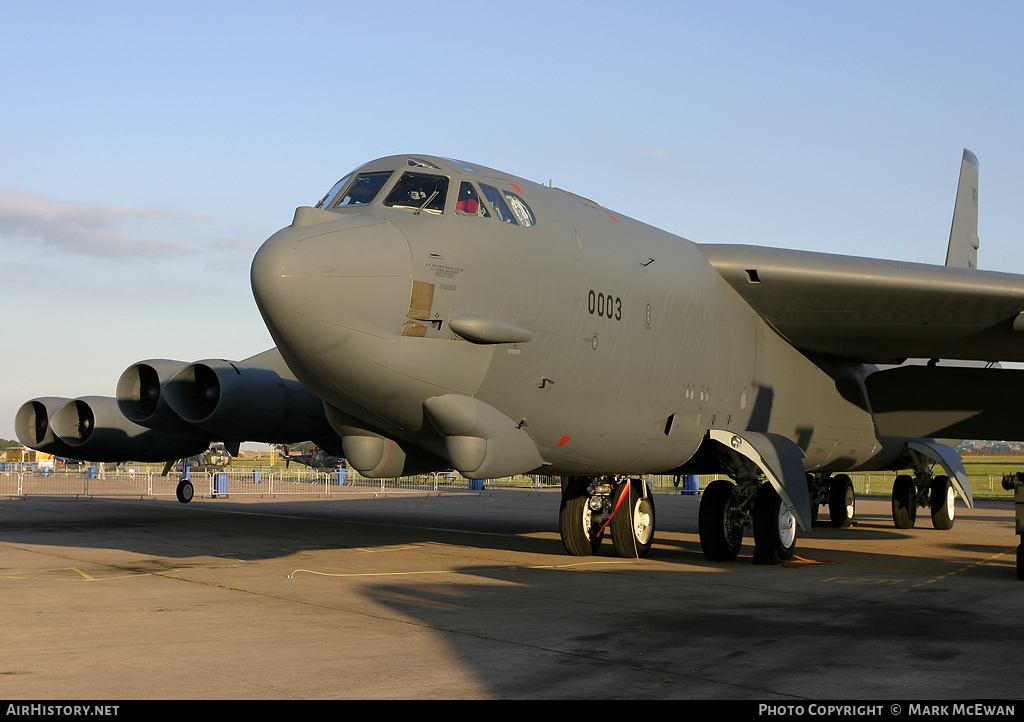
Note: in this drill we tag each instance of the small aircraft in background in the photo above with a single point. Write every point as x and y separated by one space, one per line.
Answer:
311 456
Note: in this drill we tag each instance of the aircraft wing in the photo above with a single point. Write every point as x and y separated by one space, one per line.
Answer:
877 311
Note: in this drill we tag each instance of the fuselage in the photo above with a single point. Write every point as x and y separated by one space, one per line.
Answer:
607 344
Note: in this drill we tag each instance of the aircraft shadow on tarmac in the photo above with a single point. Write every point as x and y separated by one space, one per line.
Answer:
523 619
871 627
274 528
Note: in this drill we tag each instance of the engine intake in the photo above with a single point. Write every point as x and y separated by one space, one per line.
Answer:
33 428
141 397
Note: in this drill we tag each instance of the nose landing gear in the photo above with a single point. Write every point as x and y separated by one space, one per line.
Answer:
593 506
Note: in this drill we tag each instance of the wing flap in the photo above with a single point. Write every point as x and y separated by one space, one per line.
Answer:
877 311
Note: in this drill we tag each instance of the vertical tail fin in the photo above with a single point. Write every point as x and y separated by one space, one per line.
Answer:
962 251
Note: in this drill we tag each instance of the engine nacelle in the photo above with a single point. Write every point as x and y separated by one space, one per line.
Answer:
34 430
245 402
94 425
141 397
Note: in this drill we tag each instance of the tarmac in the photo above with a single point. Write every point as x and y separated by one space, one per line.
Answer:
471 596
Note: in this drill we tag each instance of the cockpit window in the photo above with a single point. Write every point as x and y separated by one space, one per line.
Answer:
462 164
361 192
420 192
508 206
333 192
364 189
420 163
501 209
522 211
469 202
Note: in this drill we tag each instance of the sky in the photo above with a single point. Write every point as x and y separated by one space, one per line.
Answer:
148 149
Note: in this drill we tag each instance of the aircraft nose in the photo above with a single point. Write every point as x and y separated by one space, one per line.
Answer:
319 286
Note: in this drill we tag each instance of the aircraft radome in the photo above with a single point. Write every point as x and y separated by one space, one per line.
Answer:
433 314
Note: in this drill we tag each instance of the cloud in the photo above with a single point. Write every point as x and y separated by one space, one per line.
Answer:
81 227
658 153
228 243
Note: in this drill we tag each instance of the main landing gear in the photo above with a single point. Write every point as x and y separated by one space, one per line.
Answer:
728 509
910 492
835 491
592 507
624 508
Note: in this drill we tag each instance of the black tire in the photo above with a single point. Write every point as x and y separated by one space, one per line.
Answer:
185 491
775 527
574 520
633 523
904 505
842 500
1020 562
720 535
943 502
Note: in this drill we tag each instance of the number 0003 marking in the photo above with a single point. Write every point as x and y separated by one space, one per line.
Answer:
605 305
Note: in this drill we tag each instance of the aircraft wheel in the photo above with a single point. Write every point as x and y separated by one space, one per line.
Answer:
719 524
1020 562
575 524
943 498
774 527
842 500
185 491
904 506
633 523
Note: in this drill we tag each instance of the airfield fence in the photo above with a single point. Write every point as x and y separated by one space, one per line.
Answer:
28 480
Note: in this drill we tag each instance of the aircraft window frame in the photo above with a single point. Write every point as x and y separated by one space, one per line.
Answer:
431 200
375 180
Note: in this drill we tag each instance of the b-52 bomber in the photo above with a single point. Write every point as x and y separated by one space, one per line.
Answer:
432 314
